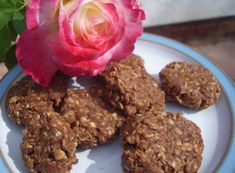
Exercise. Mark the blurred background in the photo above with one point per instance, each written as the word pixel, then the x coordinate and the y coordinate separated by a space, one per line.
pixel 208 26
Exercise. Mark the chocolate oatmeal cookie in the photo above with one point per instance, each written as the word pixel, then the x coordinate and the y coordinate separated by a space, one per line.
pixel 130 88
pixel 26 98
pixel 165 142
pixel 49 145
pixel 190 85
pixel 23 109
pixel 92 121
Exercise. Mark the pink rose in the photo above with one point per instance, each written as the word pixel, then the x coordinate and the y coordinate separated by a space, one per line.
pixel 77 37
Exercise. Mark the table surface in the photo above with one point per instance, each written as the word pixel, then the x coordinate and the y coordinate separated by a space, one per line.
pixel 221 53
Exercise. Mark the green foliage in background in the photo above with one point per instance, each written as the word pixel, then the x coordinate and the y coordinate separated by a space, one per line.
pixel 12 23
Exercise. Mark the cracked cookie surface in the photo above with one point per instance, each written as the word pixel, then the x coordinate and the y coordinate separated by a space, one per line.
pixel 26 98
pixel 130 88
pixel 190 85
pixel 92 121
pixel 49 145
pixel 161 142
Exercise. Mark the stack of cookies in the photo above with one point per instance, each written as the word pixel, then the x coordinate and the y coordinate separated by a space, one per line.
pixel 128 101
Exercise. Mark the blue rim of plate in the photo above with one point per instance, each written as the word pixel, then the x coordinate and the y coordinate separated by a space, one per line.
pixel 226 165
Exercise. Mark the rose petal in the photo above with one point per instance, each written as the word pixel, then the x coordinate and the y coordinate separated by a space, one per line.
pixel 135 7
pixel 74 68
pixel 115 31
pixel 126 46
pixel 39 11
pixel 68 40
pixel 133 18
pixel 34 55
pixel 89 47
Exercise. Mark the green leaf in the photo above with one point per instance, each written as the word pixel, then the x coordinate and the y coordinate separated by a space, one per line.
pixel 12 30
pixel 10 9
pixel 4 19
pixel 13 1
pixel 18 16
pixel 12 4
pixel 12 23
pixel 19 26
pixel 19 21
pixel 7 9
pixel 5 41
pixel 8 4
pixel 10 60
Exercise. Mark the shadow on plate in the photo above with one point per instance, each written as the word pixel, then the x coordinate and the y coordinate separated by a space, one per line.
pixel 175 107
pixel 86 82
pixel 156 76
pixel 13 141
pixel 107 158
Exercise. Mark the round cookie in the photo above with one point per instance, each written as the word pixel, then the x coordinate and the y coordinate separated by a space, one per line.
pixel 92 121
pixel 190 85
pixel 26 98
pixel 49 145
pixel 23 109
pixel 130 88
pixel 161 142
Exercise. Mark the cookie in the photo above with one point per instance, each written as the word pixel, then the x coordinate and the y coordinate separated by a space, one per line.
pixel 190 85
pixel 57 89
pixel 49 145
pixel 92 121
pixel 130 88
pixel 23 109
pixel 161 142
pixel 27 98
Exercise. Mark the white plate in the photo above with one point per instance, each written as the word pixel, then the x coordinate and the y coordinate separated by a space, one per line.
pixel 216 122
